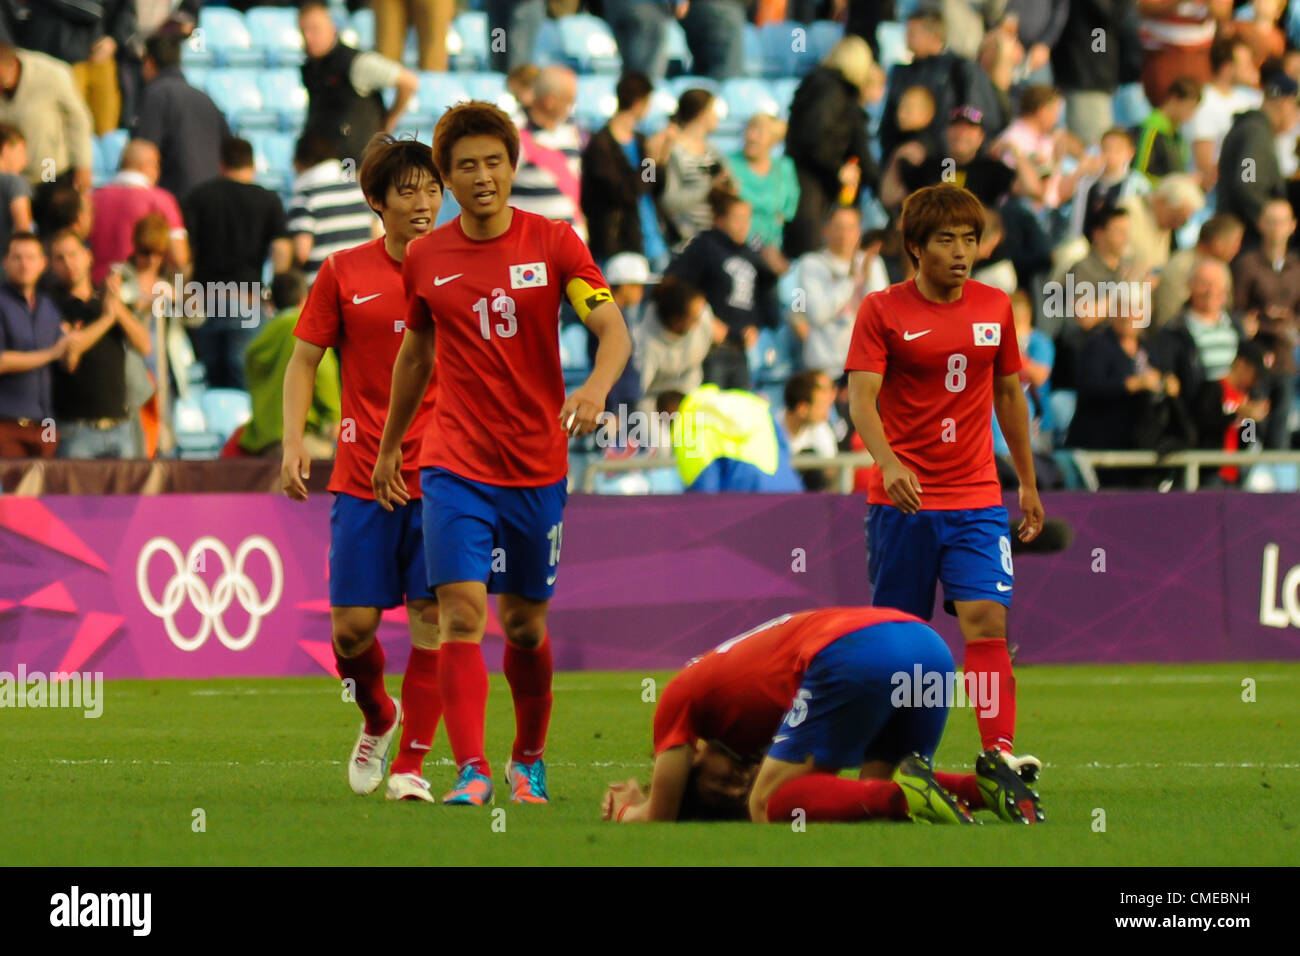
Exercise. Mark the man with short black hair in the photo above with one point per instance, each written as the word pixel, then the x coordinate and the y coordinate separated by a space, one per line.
pixel 180 120
pixel 1249 147
pixel 808 400
pixel 328 212
pixel 30 340
pixel 233 224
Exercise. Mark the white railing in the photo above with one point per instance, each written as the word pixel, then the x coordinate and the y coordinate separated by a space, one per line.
pixel 844 464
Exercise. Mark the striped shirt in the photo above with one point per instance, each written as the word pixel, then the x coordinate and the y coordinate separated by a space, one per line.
pixel 1216 343
pixel 537 189
pixel 329 206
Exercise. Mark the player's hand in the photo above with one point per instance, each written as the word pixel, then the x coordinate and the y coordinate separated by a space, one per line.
pixel 1032 509
pixel 386 481
pixel 581 411
pixel 619 796
pixel 902 486
pixel 295 469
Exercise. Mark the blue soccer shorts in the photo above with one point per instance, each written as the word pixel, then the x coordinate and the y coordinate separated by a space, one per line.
pixel 856 702
pixel 376 557
pixel 968 550
pixel 507 537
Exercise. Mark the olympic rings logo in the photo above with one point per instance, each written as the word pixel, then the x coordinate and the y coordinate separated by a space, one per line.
pixel 233 584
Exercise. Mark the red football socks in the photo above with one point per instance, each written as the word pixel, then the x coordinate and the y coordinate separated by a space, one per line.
pixel 366 671
pixel 463 681
pixel 421 709
pixel 828 798
pixel 990 665
pixel 963 786
pixel 528 671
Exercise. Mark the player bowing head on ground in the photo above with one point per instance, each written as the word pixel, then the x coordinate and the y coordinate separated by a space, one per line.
pixel 483 297
pixel 927 358
pixel 835 674
pixel 376 557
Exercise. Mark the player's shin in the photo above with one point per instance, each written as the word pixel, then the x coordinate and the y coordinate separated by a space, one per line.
pixel 828 798
pixel 422 703
pixel 463 682
pixel 365 671
pixel 528 670
pixel 991 689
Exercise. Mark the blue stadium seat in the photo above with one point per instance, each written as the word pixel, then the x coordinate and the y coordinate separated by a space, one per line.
pixel 225 410
pixel 744 97
pixel 273 157
pixel 1131 105
pixel 753 51
pixel 275 34
pixel 471 48
pixel 573 354
pixel 679 52
pixel 363 25
pixel 891 38
pixel 196 75
pixel 438 92
pixel 484 86
pixel 778 42
pixel 283 92
pixel 822 37
pixel 548 45
pixel 597 100
pixel 663 104
pixel 775 355
pixel 226 37
pixel 110 147
pixel 588 44
pixel 236 94
pixel 783 92
pixel 190 426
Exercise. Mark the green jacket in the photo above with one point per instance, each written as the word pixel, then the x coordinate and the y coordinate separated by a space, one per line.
pixel 264 365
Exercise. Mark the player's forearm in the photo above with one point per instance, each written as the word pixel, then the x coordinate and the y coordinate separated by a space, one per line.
pixel 866 419
pixel 299 387
pixel 12 362
pixel 1013 417
pixel 612 354
pixel 411 374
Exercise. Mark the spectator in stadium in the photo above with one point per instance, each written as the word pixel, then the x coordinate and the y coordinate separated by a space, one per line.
pixel 328 211
pixel 730 442
pixel 15 193
pixel 1036 149
pixel 1089 73
pixel 39 95
pixel 548 179
pixel 827 139
pixel 1220 238
pixel 769 184
pixel 91 394
pixel 180 120
pixel 344 85
pixel 234 225
pixel 1222 409
pixel 676 331
pixel 151 17
pixel 1115 181
pixel 1002 59
pixel 1233 88
pixel 519 84
pixel 430 18
pixel 1267 283
pixel 1038 27
pixel 627 273
pixel 831 284
pixel 715 31
pixel 520 20
pixel 953 79
pixel 1105 266
pixel 910 168
pixel 1199 343
pixel 738 282
pixel 617 195
pixel 1249 173
pixel 640 29
pixel 916 120
pixel 1037 357
pixel 31 340
pixel 1262 36
pixel 264 366
pixel 993 267
pixel 693 168
pixel 808 398
pixel 85 34
pixel 120 203
pixel 1155 217
pixel 1161 147
pixel 1176 37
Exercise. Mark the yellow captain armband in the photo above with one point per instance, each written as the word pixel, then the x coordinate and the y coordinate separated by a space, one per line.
pixel 584 298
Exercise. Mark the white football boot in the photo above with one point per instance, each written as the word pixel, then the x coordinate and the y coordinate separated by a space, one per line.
pixel 370 756
pixel 408 786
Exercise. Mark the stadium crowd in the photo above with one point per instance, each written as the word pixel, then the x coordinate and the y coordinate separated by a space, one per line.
pixel 1137 160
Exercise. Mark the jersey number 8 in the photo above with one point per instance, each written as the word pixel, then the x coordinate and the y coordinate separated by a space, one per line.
pixel 955 380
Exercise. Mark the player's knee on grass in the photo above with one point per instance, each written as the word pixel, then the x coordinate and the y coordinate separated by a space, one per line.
pixel 354 629
pixel 772 776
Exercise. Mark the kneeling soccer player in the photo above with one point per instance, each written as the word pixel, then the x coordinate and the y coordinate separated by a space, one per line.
pixel 833 673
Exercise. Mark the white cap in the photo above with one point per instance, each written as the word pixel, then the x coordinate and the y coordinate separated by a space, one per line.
pixel 627 268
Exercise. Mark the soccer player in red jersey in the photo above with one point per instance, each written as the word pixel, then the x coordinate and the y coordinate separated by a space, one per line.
pixel 376 557
pixel 488 287
pixel 928 357
pixel 808 695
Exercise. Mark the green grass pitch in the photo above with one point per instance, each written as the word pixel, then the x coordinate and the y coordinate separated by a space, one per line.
pixel 1185 771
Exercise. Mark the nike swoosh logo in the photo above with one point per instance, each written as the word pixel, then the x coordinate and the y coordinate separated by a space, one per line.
pixel 908 336
pixel 1003 587
pixel 780 737
pixel 443 280
pixel 550 579
pixel 357 300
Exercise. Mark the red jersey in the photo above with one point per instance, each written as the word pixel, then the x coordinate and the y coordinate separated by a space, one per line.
pixel 356 306
pixel 495 304
pixel 738 692
pixel 938 360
